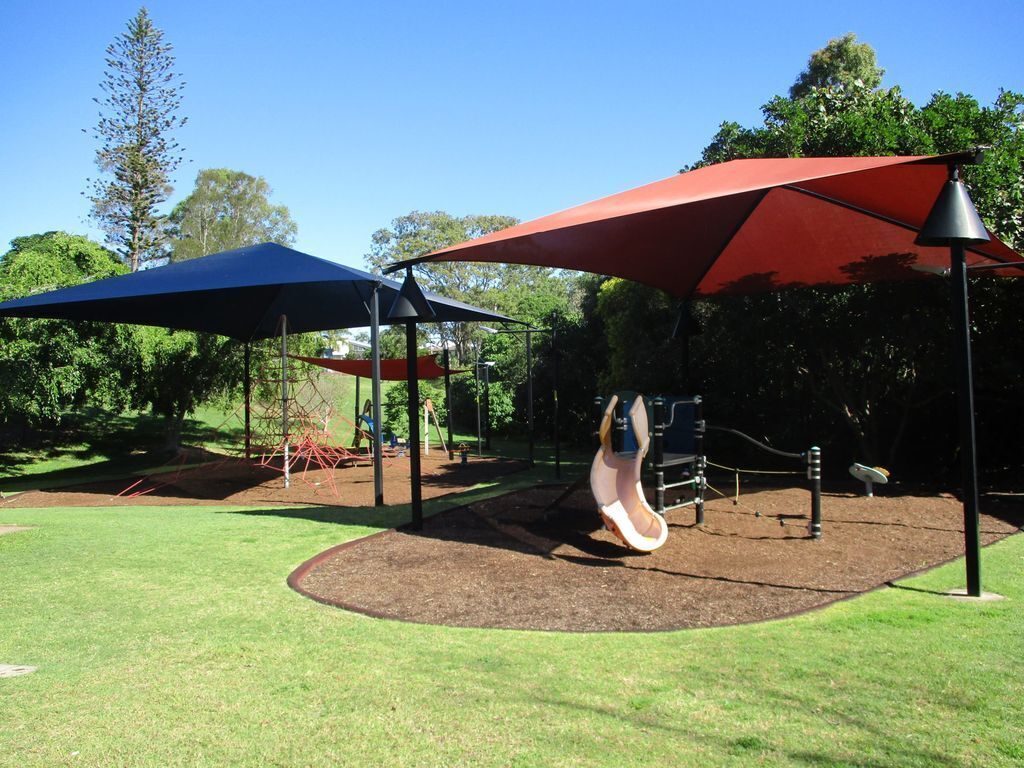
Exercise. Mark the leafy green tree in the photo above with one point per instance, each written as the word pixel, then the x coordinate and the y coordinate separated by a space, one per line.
pixel 181 370
pixel 137 153
pixel 50 366
pixel 638 322
pixel 396 407
pixel 228 209
pixel 417 234
pixel 956 122
pixel 525 293
pixel 843 62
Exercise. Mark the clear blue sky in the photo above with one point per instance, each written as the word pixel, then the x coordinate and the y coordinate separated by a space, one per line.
pixel 356 113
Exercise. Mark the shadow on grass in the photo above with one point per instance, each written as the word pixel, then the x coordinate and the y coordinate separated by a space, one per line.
pixel 398 515
pixel 644 712
pixel 637 713
pixel 368 517
pixel 894 585
pixel 101 444
pixel 113 477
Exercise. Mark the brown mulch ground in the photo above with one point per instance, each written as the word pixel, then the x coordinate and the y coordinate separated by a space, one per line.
pixel 499 563
pixel 239 482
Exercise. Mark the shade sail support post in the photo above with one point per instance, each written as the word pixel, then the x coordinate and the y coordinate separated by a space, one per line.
pixel 247 391
pixel 487 407
pixel 529 393
pixel 476 396
pixel 448 402
pixel 411 306
pixel 356 410
pixel 284 401
pixel 554 395
pixel 965 408
pixel 953 221
pixel 414 425
pixel 378 427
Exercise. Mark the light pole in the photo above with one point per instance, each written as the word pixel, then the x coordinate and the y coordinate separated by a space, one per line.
pixel 954 222
pixel 410 306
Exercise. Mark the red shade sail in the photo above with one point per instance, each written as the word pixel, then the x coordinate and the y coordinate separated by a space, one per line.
pixel 390 370
pixel 746 226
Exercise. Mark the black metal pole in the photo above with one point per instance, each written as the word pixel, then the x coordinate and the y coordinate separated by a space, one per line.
pixel 554 395
pixel 355 417
pixel 658 448
pixel 247 387
pixel 529 392
pixel 954 221
pixel 487 407
pixel 814 475
pixel 284 400
pixel 448 403
pixel 476 390
pixel 965 401
pixel 412 374
pixel 699 479
pixel 378 427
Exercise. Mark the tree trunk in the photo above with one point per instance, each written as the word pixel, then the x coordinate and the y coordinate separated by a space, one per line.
pixel 175 425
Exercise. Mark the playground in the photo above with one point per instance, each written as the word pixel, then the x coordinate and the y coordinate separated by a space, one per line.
pixel 190 627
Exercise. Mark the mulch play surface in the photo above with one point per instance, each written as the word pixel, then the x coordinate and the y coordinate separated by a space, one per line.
pixel 499 563
pixel 237 482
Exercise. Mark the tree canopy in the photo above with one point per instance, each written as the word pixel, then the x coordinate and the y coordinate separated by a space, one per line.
pixel 228 209
pixel 843 62
pixel 525 293
pixel 137 152
pixel 49 366
pixel 417 234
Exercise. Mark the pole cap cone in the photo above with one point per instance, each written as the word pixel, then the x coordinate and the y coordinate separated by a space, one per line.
pixel 410 303
pixel 953 218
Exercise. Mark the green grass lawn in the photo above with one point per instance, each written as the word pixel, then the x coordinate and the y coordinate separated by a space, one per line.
pixel 167 636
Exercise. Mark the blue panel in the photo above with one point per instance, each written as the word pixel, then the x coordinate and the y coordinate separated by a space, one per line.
pixel 240 293
pixel 679 435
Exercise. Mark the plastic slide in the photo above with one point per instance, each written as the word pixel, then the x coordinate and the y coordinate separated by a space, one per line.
pixel 615 483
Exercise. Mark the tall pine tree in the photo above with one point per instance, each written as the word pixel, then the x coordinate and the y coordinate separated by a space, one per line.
pixel 137 153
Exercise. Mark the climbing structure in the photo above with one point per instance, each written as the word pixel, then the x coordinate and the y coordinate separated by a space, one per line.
pixel 314 430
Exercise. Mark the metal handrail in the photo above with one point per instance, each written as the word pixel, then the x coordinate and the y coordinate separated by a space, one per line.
pixel 758 443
